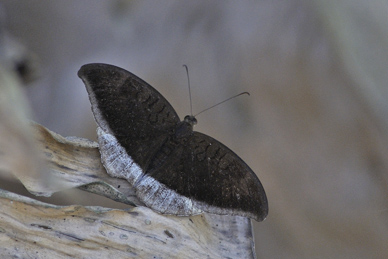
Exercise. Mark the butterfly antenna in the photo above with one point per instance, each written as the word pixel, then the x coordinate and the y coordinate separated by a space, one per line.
pixel 222 102
pixel 188 82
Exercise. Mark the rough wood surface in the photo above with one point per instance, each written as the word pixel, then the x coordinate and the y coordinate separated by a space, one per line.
pixel 32 229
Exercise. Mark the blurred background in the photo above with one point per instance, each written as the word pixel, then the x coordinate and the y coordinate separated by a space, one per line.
pixel 315 128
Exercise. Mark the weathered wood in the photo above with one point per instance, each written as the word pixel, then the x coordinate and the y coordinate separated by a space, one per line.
pixel 29 228
pixel 75 162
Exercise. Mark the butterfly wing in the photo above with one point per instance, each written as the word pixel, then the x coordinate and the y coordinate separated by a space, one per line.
pixel 129 109
pixel 207 172
pixel 234 187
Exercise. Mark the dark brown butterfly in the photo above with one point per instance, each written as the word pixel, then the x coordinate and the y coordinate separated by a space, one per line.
pixel 174 169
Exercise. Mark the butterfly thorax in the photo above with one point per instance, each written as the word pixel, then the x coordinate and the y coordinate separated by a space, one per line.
pixel 185 127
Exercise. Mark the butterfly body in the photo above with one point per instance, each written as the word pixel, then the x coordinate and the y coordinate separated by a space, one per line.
pixel 174 169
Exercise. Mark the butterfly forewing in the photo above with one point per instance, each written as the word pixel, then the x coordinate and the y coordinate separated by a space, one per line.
pixel 129 108
pixel 212 175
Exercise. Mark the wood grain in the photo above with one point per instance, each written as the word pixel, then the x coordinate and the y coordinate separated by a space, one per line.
pixel 29 228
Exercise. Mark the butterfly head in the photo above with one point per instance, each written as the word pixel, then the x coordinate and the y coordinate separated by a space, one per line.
pixel 190 119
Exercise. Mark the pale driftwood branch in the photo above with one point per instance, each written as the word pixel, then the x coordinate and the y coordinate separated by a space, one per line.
pixel 29 228
pixel 75 162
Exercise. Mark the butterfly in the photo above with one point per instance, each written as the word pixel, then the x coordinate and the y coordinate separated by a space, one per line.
pixel 173 169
